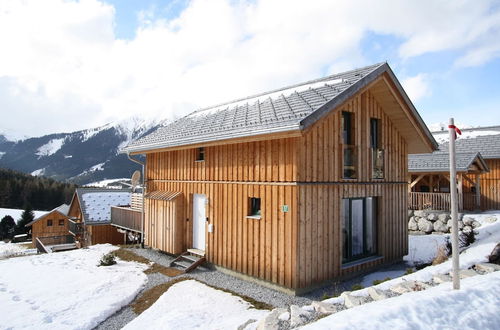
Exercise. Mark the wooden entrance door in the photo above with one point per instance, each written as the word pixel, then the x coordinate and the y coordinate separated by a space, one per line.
pixel 199 217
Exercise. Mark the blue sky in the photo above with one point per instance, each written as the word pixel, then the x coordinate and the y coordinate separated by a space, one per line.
pixel 90 62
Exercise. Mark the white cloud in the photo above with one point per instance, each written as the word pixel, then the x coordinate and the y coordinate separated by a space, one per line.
pixel 62 68
pixel 417 87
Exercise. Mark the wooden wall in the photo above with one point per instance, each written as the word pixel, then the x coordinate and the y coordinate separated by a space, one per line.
pixel 320 163
pixel 260 161
pixel 264 248
pixel 101 234
pixel 490 186
pixel 40 228
pixel 164 223
pixel 320 228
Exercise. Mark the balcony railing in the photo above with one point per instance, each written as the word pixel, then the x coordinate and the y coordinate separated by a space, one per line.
pixel 76 228
pixel 126 218
pixel 440 201
pixel 55 243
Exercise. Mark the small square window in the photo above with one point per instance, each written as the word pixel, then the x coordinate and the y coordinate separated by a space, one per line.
pixel 61 222
pixel 200 154
pixel 254 207
pixel 49 223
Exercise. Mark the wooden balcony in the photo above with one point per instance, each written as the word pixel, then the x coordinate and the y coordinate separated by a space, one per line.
pixel 126 218
pixel 440 201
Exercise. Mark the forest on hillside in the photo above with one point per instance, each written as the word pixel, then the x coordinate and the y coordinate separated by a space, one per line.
pixel 19 190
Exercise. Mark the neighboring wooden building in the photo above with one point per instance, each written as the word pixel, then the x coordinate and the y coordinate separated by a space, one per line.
pixel 295 187
pixel 486 141
pixel 90 214
pixel 52 223
pixel 429 180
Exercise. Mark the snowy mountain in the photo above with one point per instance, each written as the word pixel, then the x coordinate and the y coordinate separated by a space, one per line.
pixel 80 157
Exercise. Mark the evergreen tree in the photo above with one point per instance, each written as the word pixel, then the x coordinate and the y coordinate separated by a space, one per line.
pixel 7 227
pixel 26 217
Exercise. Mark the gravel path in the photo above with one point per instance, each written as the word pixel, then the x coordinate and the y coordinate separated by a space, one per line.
pixel 221 280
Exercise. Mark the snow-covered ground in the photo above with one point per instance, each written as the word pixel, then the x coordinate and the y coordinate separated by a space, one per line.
pixel 422 249
pixel 194 305
pixel 16 213
pixel 438 307
pixel 109 183
pixel 475 306
pixel 65 290
pixel 13 249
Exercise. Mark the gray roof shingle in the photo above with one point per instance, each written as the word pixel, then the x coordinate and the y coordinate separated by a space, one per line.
pixel 440 162
pixel 282 110
pixel 487 145
pixel 96 203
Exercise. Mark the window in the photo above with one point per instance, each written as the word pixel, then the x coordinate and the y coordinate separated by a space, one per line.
pixel 61 222
pixel 349 145
pixel 377 151
pixel 254 207
pixel 200 154
pixel 49 223
pixel 359 228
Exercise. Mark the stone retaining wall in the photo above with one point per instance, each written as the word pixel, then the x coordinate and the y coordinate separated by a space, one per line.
pixel 422 222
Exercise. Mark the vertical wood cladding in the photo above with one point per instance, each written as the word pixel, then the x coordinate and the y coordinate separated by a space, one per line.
pixel 490 186
pixel 101 234
pixel 41 228
pixel 302 246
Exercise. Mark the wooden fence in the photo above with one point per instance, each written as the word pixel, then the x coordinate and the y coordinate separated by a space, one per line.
pixel 126 218
pixel 440 201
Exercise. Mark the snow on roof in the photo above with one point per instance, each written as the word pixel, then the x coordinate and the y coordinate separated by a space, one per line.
pixel 96 203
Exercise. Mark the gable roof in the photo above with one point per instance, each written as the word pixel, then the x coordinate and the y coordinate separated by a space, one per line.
pixel 95 204
pixel 288 109
pixel 487 145
pixel 440 162
pixel 61 209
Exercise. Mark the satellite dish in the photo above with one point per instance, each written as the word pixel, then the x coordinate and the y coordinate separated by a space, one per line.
pixel 136 177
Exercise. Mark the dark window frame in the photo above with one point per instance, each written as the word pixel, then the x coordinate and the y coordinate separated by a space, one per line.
pixel 200 154
pixel 61 222
pixel 254 207
pixel 347 238
pixel 49 223
pixel 377 152
pixel 349 152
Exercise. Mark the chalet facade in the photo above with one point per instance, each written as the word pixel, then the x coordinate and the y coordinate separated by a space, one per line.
pixel 478 169
pixel 90 215
pixel 50 232
pixel 294 187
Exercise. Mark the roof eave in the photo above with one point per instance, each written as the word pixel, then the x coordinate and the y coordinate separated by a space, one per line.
pixel 210 140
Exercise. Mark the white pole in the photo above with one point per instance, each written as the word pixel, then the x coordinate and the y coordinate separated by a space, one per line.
pixel 454 207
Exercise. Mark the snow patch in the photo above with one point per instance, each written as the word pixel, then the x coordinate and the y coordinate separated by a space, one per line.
pixel 262 98
pixel 50 147
pixel 1 154
pixel 16 213
pixel 438 307
pixel 68 156
pixel 422 249
pixel 109 183
pixel 40 171
pixel 69 290
pixel 193 305
pixel 98 167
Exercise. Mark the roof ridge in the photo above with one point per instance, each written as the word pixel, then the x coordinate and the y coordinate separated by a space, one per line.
pixel 329 77
pixel 470 129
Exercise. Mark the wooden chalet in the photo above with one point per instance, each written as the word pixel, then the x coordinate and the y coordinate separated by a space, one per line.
pixel 90 215
pixel 478 167
pixel 295 187
pixel 430 180
pixel 50 232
